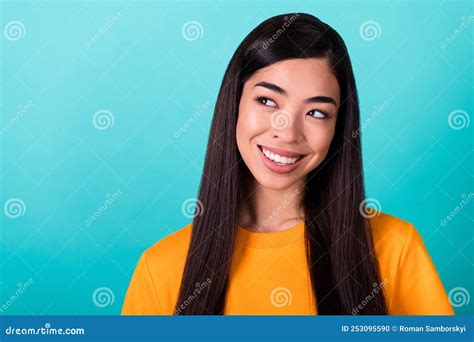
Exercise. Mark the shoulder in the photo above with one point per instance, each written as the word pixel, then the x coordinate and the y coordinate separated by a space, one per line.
pixel 171 249
pixel 156 281
pixel 411 281
pixel 392 234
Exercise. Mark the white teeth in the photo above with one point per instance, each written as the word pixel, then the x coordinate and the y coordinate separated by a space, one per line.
pixel 279 159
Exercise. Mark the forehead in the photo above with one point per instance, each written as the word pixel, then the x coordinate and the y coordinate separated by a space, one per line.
pixel 301 78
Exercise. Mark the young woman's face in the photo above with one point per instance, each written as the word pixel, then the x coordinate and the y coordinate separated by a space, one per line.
pixel 286 121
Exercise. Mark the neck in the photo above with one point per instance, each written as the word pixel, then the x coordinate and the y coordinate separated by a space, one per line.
pixel 267 210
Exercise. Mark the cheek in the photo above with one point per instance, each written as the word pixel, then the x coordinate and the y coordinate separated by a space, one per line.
pixel 319 142
pixel 250 123
pixel 250 119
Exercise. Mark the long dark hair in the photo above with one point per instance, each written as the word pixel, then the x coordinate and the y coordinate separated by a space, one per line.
pixel 340 253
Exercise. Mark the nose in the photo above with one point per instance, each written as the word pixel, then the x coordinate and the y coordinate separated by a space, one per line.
pixel 285 127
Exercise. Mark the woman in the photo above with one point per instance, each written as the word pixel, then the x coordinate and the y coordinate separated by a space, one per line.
pixel 284 228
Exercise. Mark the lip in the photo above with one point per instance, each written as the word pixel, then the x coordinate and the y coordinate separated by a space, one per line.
pixel 280 169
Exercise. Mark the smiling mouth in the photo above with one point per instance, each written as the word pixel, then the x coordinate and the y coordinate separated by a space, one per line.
pixel 280 159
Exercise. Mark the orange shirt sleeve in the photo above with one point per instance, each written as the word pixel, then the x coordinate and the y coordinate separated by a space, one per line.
pixel 419 290
pixel 141 297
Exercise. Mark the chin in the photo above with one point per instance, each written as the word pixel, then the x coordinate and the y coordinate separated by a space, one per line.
pixel 275 183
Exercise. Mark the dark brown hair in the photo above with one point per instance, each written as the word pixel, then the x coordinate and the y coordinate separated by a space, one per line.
pixel 339 245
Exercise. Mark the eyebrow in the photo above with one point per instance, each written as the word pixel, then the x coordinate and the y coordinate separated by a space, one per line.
pixel 281 91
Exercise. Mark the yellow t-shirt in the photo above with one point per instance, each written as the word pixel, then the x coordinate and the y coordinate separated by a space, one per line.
pixel 269 273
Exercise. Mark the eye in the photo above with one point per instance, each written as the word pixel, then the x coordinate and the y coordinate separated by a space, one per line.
pixel 317 114
pixel 265 101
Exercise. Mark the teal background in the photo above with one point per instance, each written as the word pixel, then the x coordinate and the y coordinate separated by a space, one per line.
pixel 153 81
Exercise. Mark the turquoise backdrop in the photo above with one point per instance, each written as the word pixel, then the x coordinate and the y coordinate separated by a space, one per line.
pixel 105 113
